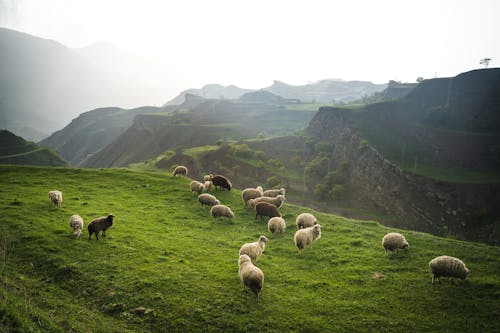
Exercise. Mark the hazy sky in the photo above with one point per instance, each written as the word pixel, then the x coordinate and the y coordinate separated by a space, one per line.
pixel 251 43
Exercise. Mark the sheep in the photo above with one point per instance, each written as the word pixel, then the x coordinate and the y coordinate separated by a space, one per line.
pixel 55 197
pixel 277 201
pixel 208 199
pixel 207 177
pixel 76 222
pixel 222 182
pixel 448 267
pixel 274 193
pixel 305 220
pixel 276 225
pixel 250 275
pixel 250 193
pixel 221 211
pixel 208 185
pixel 196 186
pixel 394 241
pixel 266 209
pixel 180 170
pixel 100 224
pixel 255 249
pixel 305 237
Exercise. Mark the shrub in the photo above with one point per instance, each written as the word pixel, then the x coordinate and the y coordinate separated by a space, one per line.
pixel 273 181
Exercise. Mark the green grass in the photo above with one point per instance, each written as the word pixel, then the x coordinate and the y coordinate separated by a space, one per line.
pixel 164 253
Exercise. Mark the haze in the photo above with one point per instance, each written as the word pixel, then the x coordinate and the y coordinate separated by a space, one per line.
pixel 252 43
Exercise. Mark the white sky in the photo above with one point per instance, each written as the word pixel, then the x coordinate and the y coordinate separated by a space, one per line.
pixel 251 43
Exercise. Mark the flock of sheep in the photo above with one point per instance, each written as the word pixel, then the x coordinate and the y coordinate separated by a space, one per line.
pixel 266 204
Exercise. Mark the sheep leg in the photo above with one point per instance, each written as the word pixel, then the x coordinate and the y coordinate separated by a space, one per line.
pixel 103 233
pixel 96 235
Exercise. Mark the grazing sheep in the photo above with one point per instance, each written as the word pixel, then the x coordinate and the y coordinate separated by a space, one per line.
pixel 221 211
pixel 255 249
pixel 448 267
pixel 250 193
pixel 305 237
pixel 277 201
pixel 76 222
pixel 207 177
pixel 251 275
pixel 276 225
pixel 100 224
pixel 208 185
pixel 266 209
pixel 196 186
pixel 56 198
pixel 222 182
pixel 208 199
pixel 305 220
pixel 180 170
pixel 274 193
pixel 394 241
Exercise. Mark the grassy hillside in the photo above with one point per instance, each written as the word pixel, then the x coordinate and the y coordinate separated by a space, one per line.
pixel 164 254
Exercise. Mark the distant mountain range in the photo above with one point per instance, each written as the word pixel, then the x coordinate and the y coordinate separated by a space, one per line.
pixel 16 150
pixel 43 84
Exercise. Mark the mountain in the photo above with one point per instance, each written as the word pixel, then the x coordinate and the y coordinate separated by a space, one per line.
pixel 210 91
pixel 164 266
pixel 326 91
pixel 196 122
pixel 44 84
pixel 16 150
pixel 93 130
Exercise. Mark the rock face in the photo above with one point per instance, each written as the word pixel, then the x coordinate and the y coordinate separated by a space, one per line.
pixel 417 202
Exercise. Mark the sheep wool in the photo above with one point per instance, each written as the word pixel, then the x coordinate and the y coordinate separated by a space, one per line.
pixel 305 237
pixel 278 201
pixel 255 249
pixel 266 209
pixel 76 222
pixel 394 241
pixel 222 182
pixel 207 199
pixel 250 193
pixel 180 170
pixel 446 266
pixel 305 220
pixel 250 275
pixel 196 186
pixel 221 211
pixel 274 193
pixel 55 197
pixel 276 225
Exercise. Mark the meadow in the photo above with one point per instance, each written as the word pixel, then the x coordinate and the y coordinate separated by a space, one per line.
pixel 166 267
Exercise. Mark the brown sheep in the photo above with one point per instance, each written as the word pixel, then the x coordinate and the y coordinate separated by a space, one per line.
pixel 222 182
pixel 100 224
pixel 266 209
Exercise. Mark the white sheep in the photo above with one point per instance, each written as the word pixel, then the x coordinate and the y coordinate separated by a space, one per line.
pixel 250 275
pixel 55 197
pixel 76 222
pixel 276 225
pixel 207 199
pixel 250 193
pixel 207 177
pixel 305 237
pixel 278 201
pixel 255 249
pixel 180 170
pixel 448 267
pixel 274 193
pixel 394 241
pixel 208 185
pixel 305 220
pixel 196 186
pixel 221 211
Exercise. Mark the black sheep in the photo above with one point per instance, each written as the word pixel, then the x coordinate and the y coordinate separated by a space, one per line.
pixel 100 224
pixel 222 182
pixel 266 209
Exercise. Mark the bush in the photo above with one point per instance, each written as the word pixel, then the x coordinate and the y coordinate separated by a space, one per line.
pixel 317 168
pixel 241 150
pixel 273 181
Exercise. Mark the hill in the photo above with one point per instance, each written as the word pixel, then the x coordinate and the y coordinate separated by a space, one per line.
pixel 210 91
pixel 165 255
pixel 93 130
pixel 200 121
pixel 16 150
pixel 44 84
